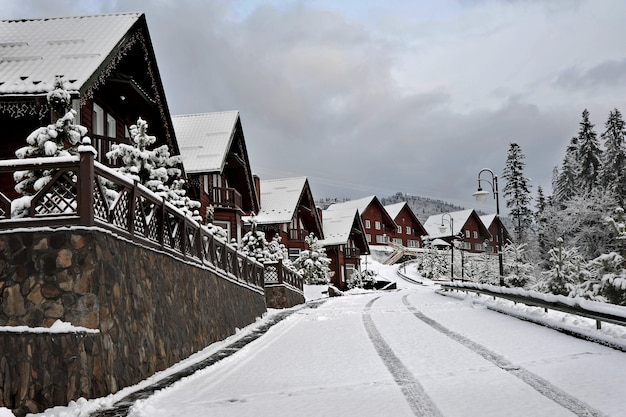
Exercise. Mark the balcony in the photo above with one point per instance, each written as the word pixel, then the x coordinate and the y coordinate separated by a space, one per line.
pixel 225 198
pixel 351 253
pixel 297 235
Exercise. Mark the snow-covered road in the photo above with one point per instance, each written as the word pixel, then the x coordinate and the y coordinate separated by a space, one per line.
pixel 403 353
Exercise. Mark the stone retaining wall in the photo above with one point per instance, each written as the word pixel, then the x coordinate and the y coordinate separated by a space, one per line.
pixel 282 296
pixel 151 310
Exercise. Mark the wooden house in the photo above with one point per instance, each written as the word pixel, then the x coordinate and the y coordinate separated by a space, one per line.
pixel 106 63
pixel 288 210
pixel 490 222
pixel 409 230
pixel 344 240
pixel 464 227
pixel 213 149
pixel 378 224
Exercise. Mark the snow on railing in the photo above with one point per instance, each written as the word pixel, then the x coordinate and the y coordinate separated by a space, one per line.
pixel 75 196
pixel 598 311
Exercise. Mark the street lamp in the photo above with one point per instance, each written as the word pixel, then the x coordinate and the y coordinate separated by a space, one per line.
pixel 481 195
pixel 442 229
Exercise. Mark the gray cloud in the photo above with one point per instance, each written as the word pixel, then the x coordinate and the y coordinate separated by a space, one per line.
pixel 368 100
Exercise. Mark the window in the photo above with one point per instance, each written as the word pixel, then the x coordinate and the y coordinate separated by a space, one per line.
pixel 224 225
pixel 397 241
pixel 399 229
pixel 368 237
pixel 377 225
pixel 467 234
pixel 294 253
pixel 489 249
pixel 475 234
pixel 408 230
pixel 466 245
pixel 367 224
pixel 413 243
pixel 478 246
pixel 382 239
pixel 111 132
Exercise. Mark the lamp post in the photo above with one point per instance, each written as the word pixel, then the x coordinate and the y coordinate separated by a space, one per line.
pixel 442 229
pixel 481 195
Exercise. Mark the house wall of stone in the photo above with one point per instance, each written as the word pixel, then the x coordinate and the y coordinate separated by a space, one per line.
pixel 151 309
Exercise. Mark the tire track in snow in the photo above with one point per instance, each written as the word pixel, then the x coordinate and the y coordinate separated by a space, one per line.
pixel 418 400
pixel 539 384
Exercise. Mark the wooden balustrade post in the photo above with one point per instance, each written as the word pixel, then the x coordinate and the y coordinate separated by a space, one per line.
pixel 280 271
pixel 86 178
pixel 132 205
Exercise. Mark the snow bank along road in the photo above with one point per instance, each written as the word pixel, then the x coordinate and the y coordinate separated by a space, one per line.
pixel 404 353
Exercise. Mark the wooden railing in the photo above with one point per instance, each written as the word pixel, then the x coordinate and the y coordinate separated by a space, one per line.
pixel 297 235
pixel 600 312
pixel 351 252
pixel 278 273
pixel 226 198
pixel 75 196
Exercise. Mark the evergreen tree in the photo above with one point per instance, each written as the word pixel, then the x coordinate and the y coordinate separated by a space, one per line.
pixel 253 243
pixel 612 174
pixel 313 262
pixel 59 139
pixel 155 168
pixel 518 272
pixel 566 270
pixel 517 191
pixel 589 155
pixel 565 186
pixel 541 220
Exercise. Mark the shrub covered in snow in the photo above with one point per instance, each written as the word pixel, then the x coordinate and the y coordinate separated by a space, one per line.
pixel 154 168
pixel 313 263
pixel 61 138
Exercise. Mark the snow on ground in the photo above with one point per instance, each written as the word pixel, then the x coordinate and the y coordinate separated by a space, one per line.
pixel 406 352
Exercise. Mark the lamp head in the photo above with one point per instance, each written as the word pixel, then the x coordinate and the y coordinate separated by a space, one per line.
pixel 481 195
pixel 443 228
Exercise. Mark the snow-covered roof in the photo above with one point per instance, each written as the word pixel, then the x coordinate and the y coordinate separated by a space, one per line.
pixel 279 199
pixel 433 223
pixel 338 225
pixel 204 139
pixel 394 209
pixel 487 219
pixel 360 204
pixel 33 52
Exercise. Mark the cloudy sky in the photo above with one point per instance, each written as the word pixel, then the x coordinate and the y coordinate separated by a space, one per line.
pixel 375 96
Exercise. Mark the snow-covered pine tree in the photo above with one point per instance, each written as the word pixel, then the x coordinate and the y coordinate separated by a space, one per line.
pixel 155 168
pixel 566 271
pixel 313 263
pixel 518 272
pixel 565 185
pixel 606 281
pixel 612 172
pixel 517 191
pixel 61 138
pixel 589 155
pixel 275 250
pixel 253 243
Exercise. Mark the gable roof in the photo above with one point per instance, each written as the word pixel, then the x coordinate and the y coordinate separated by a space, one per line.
pixel 338 225
pixel 395 209
pixel 362 204
pixel 459 218
pixel 279 199
pixel 33 52
pixel 487 219
pixel 204 139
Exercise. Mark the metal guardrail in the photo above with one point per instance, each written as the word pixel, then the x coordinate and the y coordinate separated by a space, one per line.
pixel 598 311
